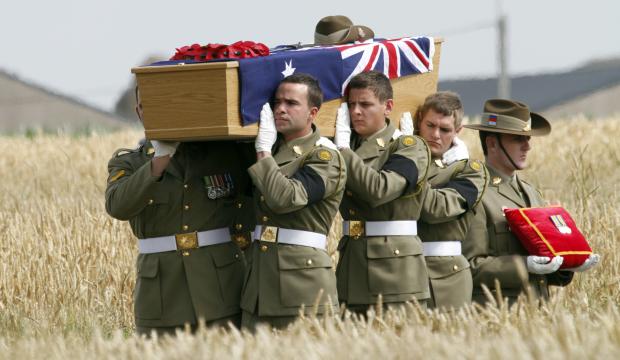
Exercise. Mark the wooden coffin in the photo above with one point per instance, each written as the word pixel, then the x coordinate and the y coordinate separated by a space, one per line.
pixel 201 101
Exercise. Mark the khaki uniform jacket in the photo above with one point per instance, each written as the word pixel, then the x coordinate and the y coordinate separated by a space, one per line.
pixel 298 188
pixel 494 252
pixel 386 182
pixel 450 277
pixel 172 289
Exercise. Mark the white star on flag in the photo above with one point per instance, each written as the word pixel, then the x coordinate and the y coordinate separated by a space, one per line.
pixel 289 69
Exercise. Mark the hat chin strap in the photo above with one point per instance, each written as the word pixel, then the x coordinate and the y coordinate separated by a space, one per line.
pixel 499 140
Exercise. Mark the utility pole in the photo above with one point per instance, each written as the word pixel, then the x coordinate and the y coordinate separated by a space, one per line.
pixel 503 79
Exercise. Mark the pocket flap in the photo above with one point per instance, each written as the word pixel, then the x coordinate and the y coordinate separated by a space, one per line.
pixel 148 266
pixel 444 266
pixel 159 197
pixel 225 254
pixel 302 257
pixel 393 246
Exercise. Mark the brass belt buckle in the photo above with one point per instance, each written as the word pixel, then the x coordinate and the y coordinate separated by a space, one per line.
pixel 269 234
pixel 356 228
pixel 186 242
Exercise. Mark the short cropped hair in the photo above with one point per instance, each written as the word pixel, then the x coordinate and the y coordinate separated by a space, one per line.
pixel 447 103
pixel 376 82
pixel 315 95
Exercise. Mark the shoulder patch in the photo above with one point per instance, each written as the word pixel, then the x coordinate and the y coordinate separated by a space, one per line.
pixel 117 176
pixel 475 165
pixel 408 140
pixel 325 155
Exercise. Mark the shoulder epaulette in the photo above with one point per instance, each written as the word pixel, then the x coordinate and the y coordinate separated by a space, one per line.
pixel 125 151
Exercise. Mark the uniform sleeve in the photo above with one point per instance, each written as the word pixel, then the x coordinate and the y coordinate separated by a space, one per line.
pixel 323 173
pixel 128 189
pixel 508 269
pixel 452 199
pixel 403 170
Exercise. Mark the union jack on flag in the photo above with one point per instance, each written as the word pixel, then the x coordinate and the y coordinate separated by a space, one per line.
pixel 394 58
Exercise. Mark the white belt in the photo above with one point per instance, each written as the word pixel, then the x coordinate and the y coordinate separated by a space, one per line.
pixel 380 228
pixel 185 241
pixel 442 248
pixel 290 236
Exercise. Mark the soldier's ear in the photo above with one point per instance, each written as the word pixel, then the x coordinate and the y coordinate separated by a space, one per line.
pixel 389 104
pixel 313 111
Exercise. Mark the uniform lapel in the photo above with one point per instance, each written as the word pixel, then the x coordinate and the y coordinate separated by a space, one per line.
pixel 504 188
pixel 528 193
pixel 375 144
pixel 294 149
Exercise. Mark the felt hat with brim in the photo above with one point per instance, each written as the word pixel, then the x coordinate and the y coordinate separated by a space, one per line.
pixel 511 117
pixel 339 29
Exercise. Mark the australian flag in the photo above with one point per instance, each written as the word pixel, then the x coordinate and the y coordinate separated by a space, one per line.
pixel 333 66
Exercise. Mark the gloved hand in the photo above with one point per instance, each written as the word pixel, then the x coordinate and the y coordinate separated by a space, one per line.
pixel 343 127
pixel 541 265
pixel 406 123
pixel 163 148
pixel 591 262
pixel 458 151
pixel 267 133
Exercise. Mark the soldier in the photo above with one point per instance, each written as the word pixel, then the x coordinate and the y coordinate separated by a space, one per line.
pixel 380 252
pixel 185 203
pixel 297 193
pixel 438 121
pixel 493 251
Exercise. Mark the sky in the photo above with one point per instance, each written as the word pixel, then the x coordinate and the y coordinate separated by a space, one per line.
pixel 86 48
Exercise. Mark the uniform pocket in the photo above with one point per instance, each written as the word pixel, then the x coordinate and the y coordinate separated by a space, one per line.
pixel 499 238
pixel 230 269
pixel 147 298
pixel 396 265
pixel 304 271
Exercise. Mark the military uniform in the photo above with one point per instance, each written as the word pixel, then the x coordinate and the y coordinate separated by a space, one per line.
pixel 198 206
pixel 380 252
pixel 296 199
pixel 494 252
pixel 448 270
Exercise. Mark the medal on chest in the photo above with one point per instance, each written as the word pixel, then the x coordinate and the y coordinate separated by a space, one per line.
pixel 219 185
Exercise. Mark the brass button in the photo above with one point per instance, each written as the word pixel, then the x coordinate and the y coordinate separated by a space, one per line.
pixel 150 201
pixel 236 256
pixel 263 248
pixel 309 262
pixel 239 226
pixel 185 186
pixel 185 253
pixel 351 212
pixel 262 198
pixel 239 205
pixel 396 252
pixel 186 207
pixel 185 227
pixel 455 267
pixel 541 282
pixel 265 218
pixel 349 193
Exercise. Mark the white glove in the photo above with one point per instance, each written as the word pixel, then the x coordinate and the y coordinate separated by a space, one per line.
pixel 163 148
pixel 406 123
pixel 267 133
pixel 592 260
pixel 323 141
pixel 458 151
pixel 343 127
pixel 541 265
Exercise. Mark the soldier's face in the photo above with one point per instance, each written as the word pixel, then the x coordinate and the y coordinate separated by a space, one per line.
pixel 367 112
pixel 438 130
pixel 517 147
pixel 293 116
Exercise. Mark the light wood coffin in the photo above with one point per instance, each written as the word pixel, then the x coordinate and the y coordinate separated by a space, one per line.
pixel 201 101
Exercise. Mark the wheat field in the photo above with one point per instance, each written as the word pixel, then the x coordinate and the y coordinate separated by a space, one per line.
pixel 67 269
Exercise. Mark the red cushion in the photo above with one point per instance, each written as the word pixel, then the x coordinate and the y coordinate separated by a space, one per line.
pixel 549 231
